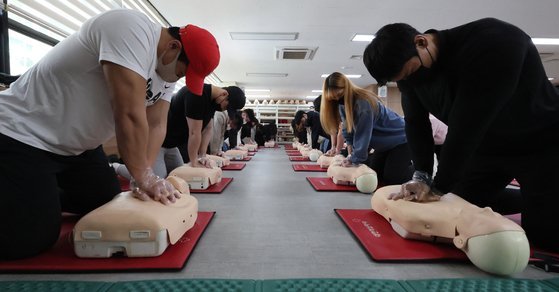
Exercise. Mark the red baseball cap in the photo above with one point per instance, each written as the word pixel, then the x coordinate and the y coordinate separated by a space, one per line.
pixel 202 51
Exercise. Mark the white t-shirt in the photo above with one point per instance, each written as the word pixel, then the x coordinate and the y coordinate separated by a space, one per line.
pixel 62 104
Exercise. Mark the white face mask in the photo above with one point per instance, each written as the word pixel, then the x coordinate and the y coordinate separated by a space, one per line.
pixel 167 72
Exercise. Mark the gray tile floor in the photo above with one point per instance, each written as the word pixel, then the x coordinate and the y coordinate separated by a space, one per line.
pixel 271 224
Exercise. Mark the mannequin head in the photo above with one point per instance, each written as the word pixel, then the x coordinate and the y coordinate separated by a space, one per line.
pixel 492 242
pixel 314 154
pixel 366 183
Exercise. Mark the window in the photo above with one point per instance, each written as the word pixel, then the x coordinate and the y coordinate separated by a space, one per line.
pixel 24 52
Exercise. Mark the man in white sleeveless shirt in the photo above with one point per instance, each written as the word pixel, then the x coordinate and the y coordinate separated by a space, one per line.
pixel 114 76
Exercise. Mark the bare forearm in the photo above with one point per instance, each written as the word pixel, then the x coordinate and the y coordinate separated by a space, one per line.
pixel 194 141
pixel 131 134
pixel 206 137
pixel 156 137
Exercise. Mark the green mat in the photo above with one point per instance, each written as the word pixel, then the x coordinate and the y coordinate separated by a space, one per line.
pixel 40 286
pixel 334 285
pixel 305 285
pixel 478 285
pixel 187 285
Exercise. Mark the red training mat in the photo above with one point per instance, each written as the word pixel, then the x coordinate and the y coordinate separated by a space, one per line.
pixel 251 153
pixel 289 147
pixel 326 184
pixel 234 166
pixel 308 167
pixel 61 257
pixel 124 183
pixel 293 153
pixel 298 158
pixel 382 243
pixel 215 188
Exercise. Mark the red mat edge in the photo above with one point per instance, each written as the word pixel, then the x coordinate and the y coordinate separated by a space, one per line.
pixel 310 182
pixel 306 170
pixel 235 169
pixel 19 270
pixel 210 190
pixel 465 260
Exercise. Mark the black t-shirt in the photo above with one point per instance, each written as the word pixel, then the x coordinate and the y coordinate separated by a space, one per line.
pixel 186 104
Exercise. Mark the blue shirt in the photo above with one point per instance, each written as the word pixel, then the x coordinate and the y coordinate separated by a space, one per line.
pixel 382 131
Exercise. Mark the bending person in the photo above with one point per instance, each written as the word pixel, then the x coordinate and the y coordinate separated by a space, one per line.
pixel 367 124
pixel 111 77
pixel 439 72
pixel 492 242
pixel 251 130
pixel 189 127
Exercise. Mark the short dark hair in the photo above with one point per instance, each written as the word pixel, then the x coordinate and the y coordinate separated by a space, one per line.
pixel 316 103
pixel 391 48
pixel 174 32
pixel 236 119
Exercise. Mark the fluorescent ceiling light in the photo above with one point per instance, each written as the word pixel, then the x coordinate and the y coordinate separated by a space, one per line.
pixel 362 38
pixel 264 36
pixel 550 78
pixel 545 41
pixel 266 74
pixel 312 96
pixel 257 90
pixel 257 95
pixel 317 91
pixel 346 75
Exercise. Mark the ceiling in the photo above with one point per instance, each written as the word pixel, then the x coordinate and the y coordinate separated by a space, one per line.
pixel 330 26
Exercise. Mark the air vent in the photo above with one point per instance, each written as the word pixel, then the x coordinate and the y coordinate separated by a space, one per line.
pixel 295 53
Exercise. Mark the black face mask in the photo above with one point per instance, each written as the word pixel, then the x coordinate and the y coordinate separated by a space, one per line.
pixel 216 106
pixel 423 74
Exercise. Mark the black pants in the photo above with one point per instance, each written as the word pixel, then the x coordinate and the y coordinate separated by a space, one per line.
pixel 484 184
pixel 392 166
pixel 36 186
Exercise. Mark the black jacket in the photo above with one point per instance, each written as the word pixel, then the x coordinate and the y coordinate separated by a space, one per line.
pixel 489 86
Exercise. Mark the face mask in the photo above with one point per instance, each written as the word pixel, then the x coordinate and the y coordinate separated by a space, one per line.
pixel 167 72
pixel 216 106
pixel 423 74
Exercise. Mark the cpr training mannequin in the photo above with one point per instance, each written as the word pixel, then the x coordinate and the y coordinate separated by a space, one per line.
pixel 324 160
pixel 219 161
pixel 362 176
pixel 198 178
pixel 313 154
pixel 248 147
pixel 135 228
pixel 492 242
pixel 235 154
pixel 270 144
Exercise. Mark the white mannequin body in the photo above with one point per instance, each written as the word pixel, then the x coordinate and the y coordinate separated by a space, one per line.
pixel 198 178
pixel 362 176
pixel 492 242
pixel 134 227
pixel 219 161
pixel 235 154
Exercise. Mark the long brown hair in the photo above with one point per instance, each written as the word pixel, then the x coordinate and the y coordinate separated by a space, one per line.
pixel 329 113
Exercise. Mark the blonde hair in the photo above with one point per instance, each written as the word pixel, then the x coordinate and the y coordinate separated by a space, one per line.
pixel 329 113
